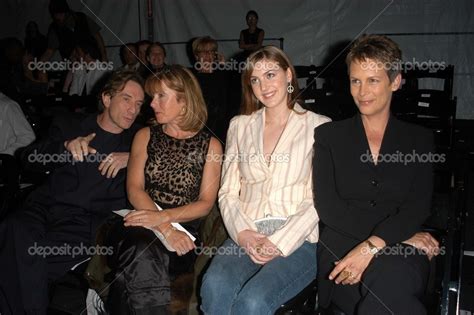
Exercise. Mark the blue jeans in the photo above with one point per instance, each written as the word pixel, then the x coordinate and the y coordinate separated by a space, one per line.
pixel 234 284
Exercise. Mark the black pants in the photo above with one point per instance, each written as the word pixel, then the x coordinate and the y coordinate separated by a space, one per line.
pixel 10 171
pixel 9 177
pixel 36 248
pixel 393 283
pixel 143 272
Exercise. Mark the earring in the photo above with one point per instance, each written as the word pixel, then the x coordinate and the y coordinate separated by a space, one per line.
pixel 183 110
pixel 290 89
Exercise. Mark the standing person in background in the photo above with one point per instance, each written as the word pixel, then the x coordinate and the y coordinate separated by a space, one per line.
pixel 266 174
pixel 251 38
pixel 68 28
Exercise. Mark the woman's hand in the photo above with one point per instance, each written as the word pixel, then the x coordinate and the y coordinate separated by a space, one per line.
pixel 146 218
pixel 425 242
pixel 257 246
pixel 349 270
pixel 264 252
pixel 180 241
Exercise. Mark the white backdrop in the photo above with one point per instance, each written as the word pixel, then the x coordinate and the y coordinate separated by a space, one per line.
pixel 309 27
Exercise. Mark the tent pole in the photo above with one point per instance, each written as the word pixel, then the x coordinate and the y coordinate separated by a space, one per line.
pixel 150 20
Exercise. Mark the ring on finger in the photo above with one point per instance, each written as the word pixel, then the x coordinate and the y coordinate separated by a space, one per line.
pixel 346 274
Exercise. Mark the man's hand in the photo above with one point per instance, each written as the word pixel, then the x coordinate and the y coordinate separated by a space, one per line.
pixel 114 162
pixel 79 147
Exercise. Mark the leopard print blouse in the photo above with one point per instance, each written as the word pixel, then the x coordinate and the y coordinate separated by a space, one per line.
pixel 174 168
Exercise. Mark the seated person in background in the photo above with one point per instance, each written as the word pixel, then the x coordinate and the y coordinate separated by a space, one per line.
pixel 266 173
pixel 142 46
pixel 175 164
pixel 371 206
pixel 15 133
pixel 87 71
pixel 129 57
pixel 57 226
pixel 220 88
pixel 69 28
pixel 35 42
pixel 251 38
pixel 155 57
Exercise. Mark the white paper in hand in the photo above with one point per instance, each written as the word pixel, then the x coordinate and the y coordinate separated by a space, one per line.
pixel 161 237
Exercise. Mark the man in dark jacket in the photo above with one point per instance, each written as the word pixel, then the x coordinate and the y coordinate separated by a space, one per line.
pixel 56 228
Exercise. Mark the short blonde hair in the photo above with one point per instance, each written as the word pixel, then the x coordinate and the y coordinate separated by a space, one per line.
pixel 183 82
pixel 201 42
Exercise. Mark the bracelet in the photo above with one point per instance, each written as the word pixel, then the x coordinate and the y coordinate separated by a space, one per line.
pixel 372 248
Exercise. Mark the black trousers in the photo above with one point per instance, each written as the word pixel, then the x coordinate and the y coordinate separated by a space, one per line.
pixel 36 248
pixel 10 172
pixel 393 283
pixel 144 272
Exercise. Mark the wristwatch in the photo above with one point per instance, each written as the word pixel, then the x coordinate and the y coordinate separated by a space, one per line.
pixel 372 248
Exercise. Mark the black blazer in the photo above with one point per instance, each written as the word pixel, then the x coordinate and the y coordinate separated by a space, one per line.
pixel 356 198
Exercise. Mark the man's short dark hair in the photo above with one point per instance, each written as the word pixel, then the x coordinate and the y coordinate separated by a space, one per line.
pixel 380 49
pixel 116 83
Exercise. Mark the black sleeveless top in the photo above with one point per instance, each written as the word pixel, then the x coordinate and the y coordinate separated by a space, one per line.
pixel 174 168
pixel 251 38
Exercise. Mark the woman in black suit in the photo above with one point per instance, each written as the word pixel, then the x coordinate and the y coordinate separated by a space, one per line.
pixel 373 183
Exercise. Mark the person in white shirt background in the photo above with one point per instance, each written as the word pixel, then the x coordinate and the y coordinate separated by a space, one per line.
pixel 15 133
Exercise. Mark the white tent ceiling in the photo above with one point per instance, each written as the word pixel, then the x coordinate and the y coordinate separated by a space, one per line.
pixel 309 27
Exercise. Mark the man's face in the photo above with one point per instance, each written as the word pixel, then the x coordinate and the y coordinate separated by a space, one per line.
pixel 156 56
pixel 122 108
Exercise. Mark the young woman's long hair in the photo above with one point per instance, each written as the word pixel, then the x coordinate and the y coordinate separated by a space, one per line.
pixel 271 53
